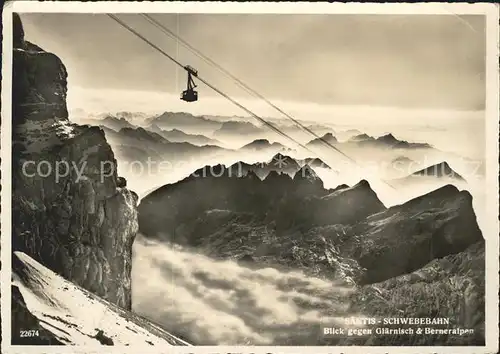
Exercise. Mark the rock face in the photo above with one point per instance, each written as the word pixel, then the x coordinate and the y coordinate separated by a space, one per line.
pixel 404 238
pixel 70 210
pixel 63 313
pixel 451 287
pixel 39 81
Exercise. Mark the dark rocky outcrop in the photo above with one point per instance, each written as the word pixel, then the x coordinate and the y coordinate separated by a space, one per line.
pixel 349 205
pixel 38 83
pixel 451 287
pixel 71 212
pixel 404 238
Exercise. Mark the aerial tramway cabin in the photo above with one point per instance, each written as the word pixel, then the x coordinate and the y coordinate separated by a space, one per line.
pixel 190 94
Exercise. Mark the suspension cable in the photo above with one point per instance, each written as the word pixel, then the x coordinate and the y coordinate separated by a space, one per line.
pixel 239 82
pixel 243 85
pixel 277 130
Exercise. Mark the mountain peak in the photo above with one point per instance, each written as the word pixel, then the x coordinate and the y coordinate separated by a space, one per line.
pixel 307 173
pixel 328 138
pixel 362 184
pixel 218 170
pixel 388 138
pixel 440 170
pixel 258 142
pixel 281 159
pixel 316 162
pixel 402 159
pixel 362 187
pixel 446 192
pixel 154 127
pixel 261 144
pixel 275 175
pixel 279 155
pixel 361 137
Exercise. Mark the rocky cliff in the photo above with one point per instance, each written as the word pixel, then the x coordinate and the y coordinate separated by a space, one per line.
pixel 70 210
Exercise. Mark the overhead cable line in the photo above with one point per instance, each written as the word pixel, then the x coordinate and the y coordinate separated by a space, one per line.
pixel 277 130
pixel 238 81
pixel 247 88
pixel 244 86
pixel 241 83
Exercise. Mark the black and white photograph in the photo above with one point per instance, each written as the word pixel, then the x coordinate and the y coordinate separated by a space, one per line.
pixel 250 176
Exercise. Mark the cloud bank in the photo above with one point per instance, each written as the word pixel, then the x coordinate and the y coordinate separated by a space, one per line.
pixel 223 303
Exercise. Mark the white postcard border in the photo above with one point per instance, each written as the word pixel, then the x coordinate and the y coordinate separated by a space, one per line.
pixel 492 171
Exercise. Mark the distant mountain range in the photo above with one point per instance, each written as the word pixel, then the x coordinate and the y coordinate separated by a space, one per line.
pixel 388 140
pixel 186 122
pixel 178 136
pixel 109 122
pixel 139 144
pixel 238 128
pixel 198 130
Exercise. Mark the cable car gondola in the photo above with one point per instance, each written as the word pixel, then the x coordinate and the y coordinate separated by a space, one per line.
pixel 190 94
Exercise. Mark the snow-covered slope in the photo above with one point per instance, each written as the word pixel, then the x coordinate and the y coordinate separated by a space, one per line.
pixel 64 313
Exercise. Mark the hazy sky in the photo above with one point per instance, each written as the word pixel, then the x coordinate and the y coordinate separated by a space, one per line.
pixel 408 61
